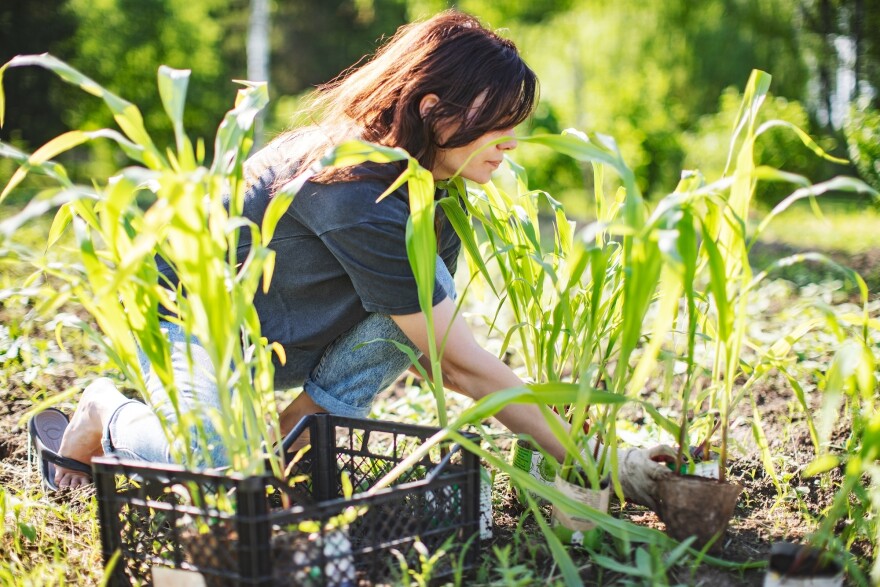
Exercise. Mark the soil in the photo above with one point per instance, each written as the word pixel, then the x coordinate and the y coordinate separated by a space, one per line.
pixel 760 517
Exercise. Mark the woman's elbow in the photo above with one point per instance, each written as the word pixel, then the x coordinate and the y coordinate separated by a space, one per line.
pixel 461 369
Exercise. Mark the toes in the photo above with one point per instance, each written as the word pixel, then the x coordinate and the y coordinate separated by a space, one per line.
pixel 68 480
pixel 62 480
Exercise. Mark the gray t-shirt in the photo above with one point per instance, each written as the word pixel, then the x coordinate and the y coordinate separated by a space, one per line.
pixel 339 256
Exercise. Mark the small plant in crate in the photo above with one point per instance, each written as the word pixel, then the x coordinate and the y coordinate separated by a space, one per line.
pixel 190 228
pixel 193 224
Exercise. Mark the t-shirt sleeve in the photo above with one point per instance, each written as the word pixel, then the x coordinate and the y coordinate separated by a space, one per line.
pixel 373 254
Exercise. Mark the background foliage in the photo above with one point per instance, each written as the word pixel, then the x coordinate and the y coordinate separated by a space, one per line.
pixel 647 74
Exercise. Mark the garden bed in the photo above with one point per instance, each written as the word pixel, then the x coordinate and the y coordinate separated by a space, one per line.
pixel 35 368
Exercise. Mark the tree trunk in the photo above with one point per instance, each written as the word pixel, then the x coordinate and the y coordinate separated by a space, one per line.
pixel 258 54
pixel 858 16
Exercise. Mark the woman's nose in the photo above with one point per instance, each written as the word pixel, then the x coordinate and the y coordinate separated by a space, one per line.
pixel 509 142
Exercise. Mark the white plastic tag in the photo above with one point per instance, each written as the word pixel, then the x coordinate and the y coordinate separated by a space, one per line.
pixel 168 577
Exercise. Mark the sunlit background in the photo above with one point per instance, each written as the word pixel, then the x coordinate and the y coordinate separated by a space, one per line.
pixel 663 78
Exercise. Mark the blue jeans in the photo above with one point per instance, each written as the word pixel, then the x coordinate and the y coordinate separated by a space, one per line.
pixel 343 379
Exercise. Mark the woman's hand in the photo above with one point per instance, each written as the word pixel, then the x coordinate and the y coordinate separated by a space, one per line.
pixel 639 470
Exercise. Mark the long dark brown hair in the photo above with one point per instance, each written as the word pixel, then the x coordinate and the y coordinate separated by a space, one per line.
pixel 450 55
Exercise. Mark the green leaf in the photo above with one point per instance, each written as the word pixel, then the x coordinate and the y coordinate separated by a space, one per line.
pixel 459 221
pixel 753 96
pixel 40 206
pixel 804 137
pixel 127 116
pixel 836 184
pixel 718 285
pixel 229 145
pixel 274 211
pixel 575 145
pixel 665 423
pixel 609 563
pixel 555 393
pixel 356 152
pixel 764 447
pixel 28 531
pixel 673 556
pixel 560 554
pixel 822 464
pixel 173 85
pixel 55 146
pixel 643 562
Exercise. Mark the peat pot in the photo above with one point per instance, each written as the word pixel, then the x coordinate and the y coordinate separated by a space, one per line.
pixel 799 565
pixel 697 506
pixel 573 529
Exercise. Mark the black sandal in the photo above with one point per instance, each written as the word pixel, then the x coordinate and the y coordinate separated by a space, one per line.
pixel 46 429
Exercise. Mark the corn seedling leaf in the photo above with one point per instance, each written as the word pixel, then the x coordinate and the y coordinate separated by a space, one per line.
pixel 804 137
pixel 460 223
pixel 173 85
pixel 836 184
pixel 764 446
pixel 356 152
pixel 560 554
pixel 718 285
pixel 37 207
pixel 233 134
pixel 127 116
pixel 821 464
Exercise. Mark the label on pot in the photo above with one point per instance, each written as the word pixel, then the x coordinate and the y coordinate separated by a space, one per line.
pixel 486 520
pixel 800 565
pixel 597 500
pixel 774 579
pixel 529 459
pixel 708 469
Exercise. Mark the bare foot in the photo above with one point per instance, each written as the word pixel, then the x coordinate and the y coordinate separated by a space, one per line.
pixel 82 438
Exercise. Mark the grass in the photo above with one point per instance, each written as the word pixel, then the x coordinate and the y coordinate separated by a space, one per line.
pixel 57 542
pixel 846 227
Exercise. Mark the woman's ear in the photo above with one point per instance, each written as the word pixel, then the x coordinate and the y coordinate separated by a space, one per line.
pixel 427 103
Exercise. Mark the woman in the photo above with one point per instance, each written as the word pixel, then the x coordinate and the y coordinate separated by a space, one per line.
pixel 450 93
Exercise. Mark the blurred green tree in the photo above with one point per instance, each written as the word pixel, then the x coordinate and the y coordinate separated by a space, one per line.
pixel 122 43
pixel 492 13
pixel 646 72
pixel 35 102
pixel 707 143
pixel 315 41
pixel 862 132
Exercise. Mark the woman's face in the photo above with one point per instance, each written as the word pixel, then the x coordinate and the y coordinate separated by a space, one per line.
pixel 475 161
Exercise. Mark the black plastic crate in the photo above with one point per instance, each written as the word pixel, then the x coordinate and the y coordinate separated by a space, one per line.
pixel 167 521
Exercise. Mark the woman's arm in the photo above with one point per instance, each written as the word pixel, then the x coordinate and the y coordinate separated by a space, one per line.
pixel 475 372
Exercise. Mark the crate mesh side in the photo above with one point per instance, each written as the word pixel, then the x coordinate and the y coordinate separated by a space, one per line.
pixel 328 542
